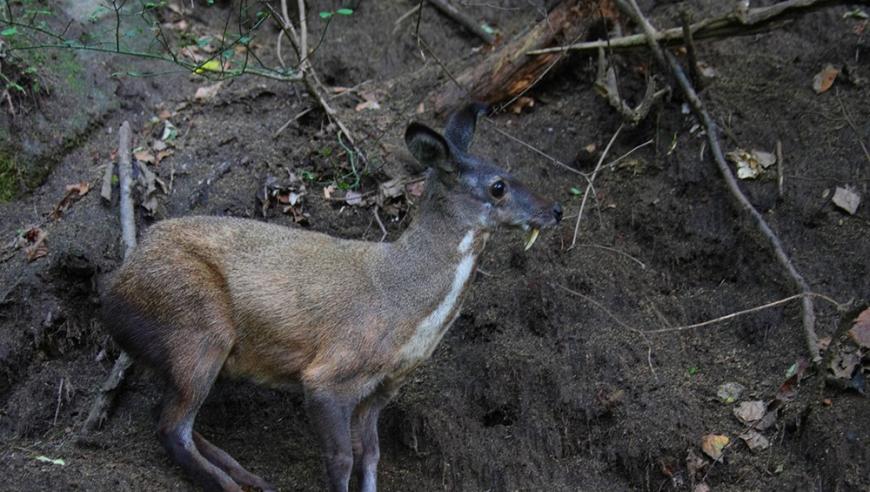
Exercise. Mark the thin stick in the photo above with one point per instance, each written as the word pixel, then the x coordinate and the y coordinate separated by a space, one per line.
pixel 108 391
pixel 615 318
pixel 613 250
pixel 780 168
pixel 464 19
pixel 589 185
pixel 303 31
pixel 744 312
pixel 380 224
pixel 125 175
pixel 59 399
pixel 106 188
pixel 535 149
pixel 686 20
pixel 668 62
pixel 852 125
pixel 398 23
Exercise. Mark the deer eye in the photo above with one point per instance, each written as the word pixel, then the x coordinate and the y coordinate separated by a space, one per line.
pixel 497 189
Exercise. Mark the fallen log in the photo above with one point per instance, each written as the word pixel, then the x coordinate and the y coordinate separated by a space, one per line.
pixel 507 72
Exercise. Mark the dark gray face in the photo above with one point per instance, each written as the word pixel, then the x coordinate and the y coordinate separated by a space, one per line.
pixel 486 194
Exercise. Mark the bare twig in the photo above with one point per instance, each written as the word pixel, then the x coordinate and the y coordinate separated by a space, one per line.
pixel 736 23
pixel 686 24
pixel 668 62
pixel 109 389
pixel 464 19
pixel 744 312
pixel 59 401
pixel 589 185
pixel 852 125
pixel 613 250
pixel 605 83
pixel 780 168
pixel 612 316
pixel 398 23
pixel 106 188
pixel 380 224
pixel 309 76
pixel 534 149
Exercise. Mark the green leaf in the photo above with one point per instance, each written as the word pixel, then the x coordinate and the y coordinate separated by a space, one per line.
pixel 693 371
pixel 344 11
pixel 53 461
pixel 244 40
pixel 9 31
pixel 325 15
pixel 575 191
pixel 487 29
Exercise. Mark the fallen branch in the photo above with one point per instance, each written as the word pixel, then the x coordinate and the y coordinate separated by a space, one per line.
pixel 508 72
pixel 737 23
pixel 463 19
pixel 109 390
pixel 668 62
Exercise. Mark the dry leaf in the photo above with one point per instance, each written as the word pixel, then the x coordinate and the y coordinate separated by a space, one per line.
pixel 860 331
pixel 37 247
pixel 701 487
pixel 823 343
pixel 328 191
pixel 844 363
pixel 74 193
pixel 713 444
pixel 145 155
pixel 755 440
pixel 825 79
pixel 521 104
pixel 749 412
pixel 392 188
pixel 416 189
pixel 694 463
pixel 207 92
pixel 367 105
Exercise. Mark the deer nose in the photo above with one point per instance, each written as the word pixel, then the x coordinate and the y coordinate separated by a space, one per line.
pixel 557 212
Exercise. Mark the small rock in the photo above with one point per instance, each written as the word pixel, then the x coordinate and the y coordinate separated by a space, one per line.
pixel 846 199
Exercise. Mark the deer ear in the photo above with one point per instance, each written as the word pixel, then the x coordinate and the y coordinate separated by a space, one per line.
pixel 428 147
pixel 461 125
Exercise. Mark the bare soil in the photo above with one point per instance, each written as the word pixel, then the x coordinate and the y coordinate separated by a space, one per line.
pixel 534 388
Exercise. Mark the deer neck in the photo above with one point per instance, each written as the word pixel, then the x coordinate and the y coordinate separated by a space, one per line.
pixel 430 268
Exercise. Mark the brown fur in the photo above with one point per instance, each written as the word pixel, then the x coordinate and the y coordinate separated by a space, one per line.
pixel 206 295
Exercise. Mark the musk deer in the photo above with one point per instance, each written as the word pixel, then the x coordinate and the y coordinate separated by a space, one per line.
pixel 203 296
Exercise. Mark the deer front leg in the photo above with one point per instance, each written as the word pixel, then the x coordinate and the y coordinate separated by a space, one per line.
pixel 366 446
pixel 330 416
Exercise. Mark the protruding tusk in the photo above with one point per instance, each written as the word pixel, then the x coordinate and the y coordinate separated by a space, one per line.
pixel 532 237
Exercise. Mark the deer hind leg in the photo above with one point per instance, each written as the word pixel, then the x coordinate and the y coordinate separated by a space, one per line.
pixel 225 462
pixel 189 381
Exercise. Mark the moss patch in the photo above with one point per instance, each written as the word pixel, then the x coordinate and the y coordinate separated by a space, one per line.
pixel 10 177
